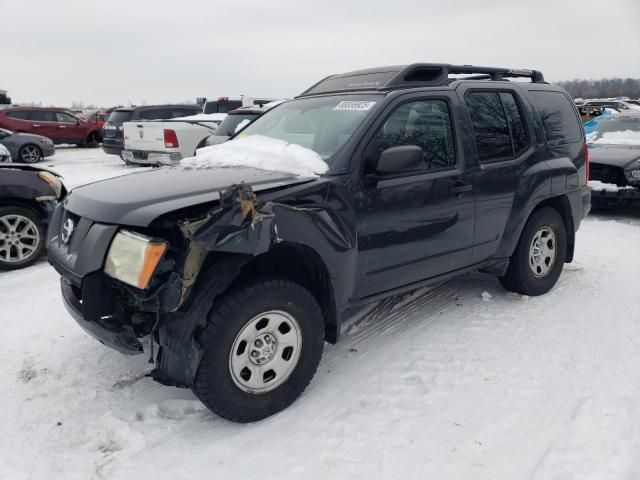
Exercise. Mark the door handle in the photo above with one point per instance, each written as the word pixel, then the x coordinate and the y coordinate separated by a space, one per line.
pixel 61 126
pixel 460 188
pixel 35 125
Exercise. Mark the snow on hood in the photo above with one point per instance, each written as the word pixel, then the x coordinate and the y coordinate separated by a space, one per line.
pixel 622 137
pixel 264 153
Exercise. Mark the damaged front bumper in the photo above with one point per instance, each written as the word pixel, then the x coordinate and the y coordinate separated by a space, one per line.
pixel 116 335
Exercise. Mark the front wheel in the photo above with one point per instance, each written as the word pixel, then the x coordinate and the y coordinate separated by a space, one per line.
pixel 261 347
pixel 21 238
pixel 536 264
pixel 30 154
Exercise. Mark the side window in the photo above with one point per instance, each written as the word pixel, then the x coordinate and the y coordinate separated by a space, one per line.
pixel 558 115
pixel 43 116
pixel 19 114
pixel 425 123
pixel 64 118
pixel 516 124
pixel 490 127
pixel 155 114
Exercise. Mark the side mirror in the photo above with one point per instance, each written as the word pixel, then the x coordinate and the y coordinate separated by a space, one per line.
pixel 399 159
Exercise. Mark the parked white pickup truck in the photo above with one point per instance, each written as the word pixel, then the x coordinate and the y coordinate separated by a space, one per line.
pixel 162 142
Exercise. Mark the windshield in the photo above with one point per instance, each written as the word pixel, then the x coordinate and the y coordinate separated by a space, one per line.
pixel 231 122
pixel 614 130
pixel 120 116
pixel 320 124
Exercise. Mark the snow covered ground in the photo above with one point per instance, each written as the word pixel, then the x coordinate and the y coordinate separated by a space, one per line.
pixel 464 381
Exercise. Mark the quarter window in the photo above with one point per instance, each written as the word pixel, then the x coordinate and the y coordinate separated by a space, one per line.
pixel 559 117
pixel 19 114
pixel 424 123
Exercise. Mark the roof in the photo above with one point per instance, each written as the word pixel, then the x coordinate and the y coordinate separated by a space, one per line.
pixel 414 75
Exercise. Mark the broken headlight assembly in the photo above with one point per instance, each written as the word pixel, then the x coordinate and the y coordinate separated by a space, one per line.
pixel 133 258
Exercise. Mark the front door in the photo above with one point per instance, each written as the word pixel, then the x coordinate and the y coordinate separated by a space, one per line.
pixel 69 128
pixel 419 224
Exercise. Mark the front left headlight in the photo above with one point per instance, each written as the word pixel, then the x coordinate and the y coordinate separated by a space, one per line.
pixel 53 181
pixel 133 258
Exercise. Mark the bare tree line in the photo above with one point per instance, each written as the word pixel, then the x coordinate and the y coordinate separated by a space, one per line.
pixel 603 88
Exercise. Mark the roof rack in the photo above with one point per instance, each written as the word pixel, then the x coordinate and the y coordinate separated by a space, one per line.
pixel 414 75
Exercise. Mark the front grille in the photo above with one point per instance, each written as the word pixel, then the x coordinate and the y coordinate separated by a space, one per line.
pixel 607 174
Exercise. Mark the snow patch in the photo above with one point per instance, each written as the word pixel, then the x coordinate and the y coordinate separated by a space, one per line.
pixel 203 117
pixel 598 186
pixel 622 137
pixel 264 153
pixel 486 296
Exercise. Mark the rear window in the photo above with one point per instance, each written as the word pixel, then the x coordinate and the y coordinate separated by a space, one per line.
pixel 20 114
pixel 228 126
pixel 559 117
pixel 120 116
pixel 222 106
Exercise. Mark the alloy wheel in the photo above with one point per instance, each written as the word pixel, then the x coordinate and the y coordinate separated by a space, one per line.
pixel 19 238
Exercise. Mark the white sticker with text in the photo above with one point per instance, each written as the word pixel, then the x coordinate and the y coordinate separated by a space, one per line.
pixel 354 105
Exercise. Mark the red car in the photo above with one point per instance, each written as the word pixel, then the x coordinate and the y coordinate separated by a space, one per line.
pixel 58 124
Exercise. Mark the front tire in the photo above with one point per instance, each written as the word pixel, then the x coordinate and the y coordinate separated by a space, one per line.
pixel 21 237
pixel 261 347
pixel 30 154
pixel 537 262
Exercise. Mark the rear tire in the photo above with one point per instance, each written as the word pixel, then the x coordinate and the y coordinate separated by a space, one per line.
pixel 537 262
pixel 261 347
pixel 22 237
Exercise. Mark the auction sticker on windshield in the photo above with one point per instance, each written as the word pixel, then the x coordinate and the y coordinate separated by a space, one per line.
pixel 354 105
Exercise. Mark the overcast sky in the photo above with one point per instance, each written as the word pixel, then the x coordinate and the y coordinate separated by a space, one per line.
pixel 119 51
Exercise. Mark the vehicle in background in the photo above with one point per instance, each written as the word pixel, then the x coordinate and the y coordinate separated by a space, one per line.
pixel 226 104
pixel 57 124
pixel 588 112
pixel 615 103
pixel 166 142
pixel 614 159
pixel 28 196
pixel 236 120
pixel 369 184
pixel 26 147
pixel 112 131
pixel 5 155
pixel 98 118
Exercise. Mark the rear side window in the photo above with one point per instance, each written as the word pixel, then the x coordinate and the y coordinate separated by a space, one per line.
pixel 154 114
pixel 516 124
pixel 20 114
pixel 558 115
pixel 490 127
pixel 43 116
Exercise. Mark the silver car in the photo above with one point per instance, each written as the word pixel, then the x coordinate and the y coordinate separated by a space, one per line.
pixel 5 155
pixel 26 147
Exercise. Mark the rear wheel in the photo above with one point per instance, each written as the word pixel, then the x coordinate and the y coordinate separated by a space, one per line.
pixel 30 154
pixel 539 257
pixel 21 237
pixel 261 346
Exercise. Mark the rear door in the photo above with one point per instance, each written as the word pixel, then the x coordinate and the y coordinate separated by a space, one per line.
pixel 417 225
pixel 504 149
pixel 43 122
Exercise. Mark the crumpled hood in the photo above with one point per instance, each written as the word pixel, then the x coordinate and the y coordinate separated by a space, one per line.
pixel 139 198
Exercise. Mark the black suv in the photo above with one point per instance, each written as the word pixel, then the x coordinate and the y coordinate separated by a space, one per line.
pixel 239 275
pixel 112 139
